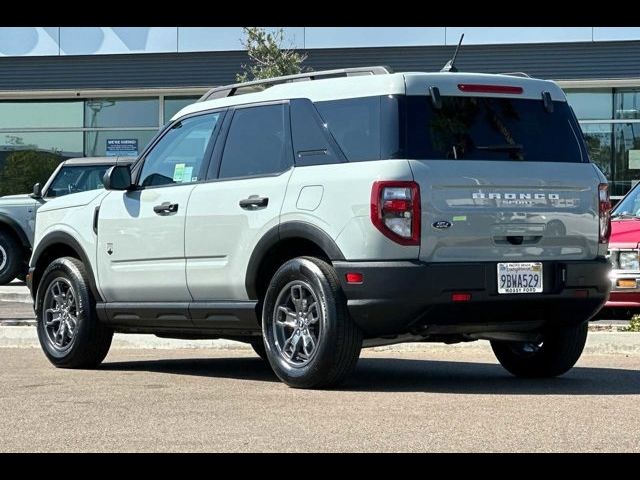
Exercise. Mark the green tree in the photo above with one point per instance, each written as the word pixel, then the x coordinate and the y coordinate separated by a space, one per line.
pixel 23 168
pixel 267 58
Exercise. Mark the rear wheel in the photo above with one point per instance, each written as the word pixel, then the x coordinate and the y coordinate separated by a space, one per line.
pixel 556 354
pixel 310 339
pixel 68 328
pixel 11 258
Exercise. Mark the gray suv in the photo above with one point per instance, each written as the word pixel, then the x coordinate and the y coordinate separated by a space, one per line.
pixel 18 212
pixel 315 215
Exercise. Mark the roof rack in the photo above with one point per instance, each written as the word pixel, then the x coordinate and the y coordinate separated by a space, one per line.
pixel 258 85
pixel 516 74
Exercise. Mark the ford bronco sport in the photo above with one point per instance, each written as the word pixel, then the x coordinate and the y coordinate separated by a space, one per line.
pixel 317 214
pixel 18 212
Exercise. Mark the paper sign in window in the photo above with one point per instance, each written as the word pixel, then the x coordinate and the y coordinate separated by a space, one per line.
pixel 178 172
pixel 634 159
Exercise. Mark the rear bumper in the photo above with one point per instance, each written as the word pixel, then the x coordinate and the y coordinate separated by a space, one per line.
pixel 408 296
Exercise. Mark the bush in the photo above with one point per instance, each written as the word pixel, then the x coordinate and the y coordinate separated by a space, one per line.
pixel 23 168
pixel 634 324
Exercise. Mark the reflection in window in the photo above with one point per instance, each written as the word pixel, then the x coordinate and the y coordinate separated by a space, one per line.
pixel 178 156
pixel 598 139
pixel 627 103
pixel 118 112
pixel 355 125
pixel 73 179
pixel 39 114
pixel 592 104
pixel 626 156
pixel 173 105
pixel 257 143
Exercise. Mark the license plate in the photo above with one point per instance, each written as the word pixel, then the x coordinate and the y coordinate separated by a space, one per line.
pixel 520 277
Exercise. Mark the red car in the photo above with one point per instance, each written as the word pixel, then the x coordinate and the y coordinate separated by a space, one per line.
pixel 624 300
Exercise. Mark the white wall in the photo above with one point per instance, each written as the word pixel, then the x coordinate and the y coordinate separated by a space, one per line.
pixel 31 41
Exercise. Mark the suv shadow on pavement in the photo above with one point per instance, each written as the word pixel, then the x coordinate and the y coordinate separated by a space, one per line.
pixel 408 375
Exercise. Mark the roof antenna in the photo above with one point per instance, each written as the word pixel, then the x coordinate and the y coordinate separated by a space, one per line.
pixel 449 66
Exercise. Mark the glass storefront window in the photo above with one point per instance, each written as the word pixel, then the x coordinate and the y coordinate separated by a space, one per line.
pixel 592 104
pixel 39 114
pixel 626 160
pixel 598 139
pixel 108 142
pixel 627 103
pixel 121 112
pixel 173 105
pixel 30 157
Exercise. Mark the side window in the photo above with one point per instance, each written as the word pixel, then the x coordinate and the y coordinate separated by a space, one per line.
pixel 355 125
pixel 73 179
pixel 310 143
pixel 257 143
pixel 178 156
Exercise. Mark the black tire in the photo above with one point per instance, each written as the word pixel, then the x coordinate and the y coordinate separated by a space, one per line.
pixel 91 339
pixel 338 341
pixel 560 350
pixel 12 256
pixel 258 347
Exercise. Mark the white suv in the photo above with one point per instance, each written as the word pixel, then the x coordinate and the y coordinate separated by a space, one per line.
pixel 311 218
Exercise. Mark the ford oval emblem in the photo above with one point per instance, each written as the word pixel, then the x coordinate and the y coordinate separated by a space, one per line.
pixel 441 224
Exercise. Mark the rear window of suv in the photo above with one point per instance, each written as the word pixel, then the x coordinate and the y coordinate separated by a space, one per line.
pixel 464 128
pixel 491 128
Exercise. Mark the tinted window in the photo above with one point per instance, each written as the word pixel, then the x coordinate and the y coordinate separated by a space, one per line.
pixel 257 143
pixel 310 143
pixel 178 156
pixel 488 128
pixel 355 125
pixel 72 179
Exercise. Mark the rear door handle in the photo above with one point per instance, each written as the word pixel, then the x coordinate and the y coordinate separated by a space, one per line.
pixel 253 202
pixel 166 208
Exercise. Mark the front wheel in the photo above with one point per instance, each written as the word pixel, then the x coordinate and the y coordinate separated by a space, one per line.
pixel 69 331
pixel 556 354
pixel 310 339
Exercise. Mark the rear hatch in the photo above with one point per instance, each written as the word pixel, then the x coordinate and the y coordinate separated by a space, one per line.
pixel 503 174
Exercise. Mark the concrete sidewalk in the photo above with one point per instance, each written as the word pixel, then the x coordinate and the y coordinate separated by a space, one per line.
pixel 626 343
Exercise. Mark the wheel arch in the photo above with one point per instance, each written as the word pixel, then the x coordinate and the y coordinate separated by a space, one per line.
pixel 283 242
pixel 9 224
pixel 55 245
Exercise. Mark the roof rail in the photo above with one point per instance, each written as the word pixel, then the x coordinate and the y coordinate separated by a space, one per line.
pixel 516 74
pixel 257 85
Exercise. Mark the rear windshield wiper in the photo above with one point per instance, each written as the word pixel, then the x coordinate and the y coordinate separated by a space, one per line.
pixel 507 147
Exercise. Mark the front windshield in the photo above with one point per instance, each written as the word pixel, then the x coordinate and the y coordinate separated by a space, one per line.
pixel 629 205
pixel 72 179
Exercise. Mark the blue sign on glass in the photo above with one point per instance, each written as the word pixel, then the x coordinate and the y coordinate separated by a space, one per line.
pixel 122 147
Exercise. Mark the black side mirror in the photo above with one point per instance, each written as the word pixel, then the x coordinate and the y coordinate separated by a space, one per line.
pixel 37 191
pixel 117 177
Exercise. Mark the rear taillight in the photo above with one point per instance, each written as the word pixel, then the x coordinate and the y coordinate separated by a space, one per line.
pixel 395 211
pixel 604 211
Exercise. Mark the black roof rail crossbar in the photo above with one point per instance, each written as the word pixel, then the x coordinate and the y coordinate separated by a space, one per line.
pixel 516 74
pixel 230 90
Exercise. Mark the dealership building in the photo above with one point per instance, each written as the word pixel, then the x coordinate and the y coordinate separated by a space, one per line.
pixel 93 91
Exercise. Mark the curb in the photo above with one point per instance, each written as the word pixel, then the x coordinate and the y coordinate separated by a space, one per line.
pixel 625 343
pixel 15 292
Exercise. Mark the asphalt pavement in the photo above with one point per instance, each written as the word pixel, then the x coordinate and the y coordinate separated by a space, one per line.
pixel 215 400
